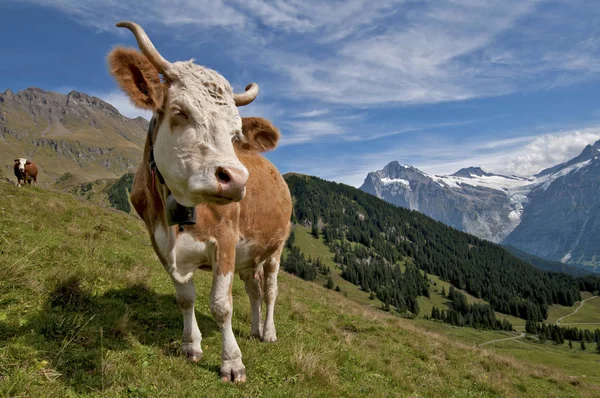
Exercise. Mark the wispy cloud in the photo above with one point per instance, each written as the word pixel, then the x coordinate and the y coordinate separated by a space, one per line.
pixel 313 113
pixel 308 131
pixel 102 15
pixel 393 51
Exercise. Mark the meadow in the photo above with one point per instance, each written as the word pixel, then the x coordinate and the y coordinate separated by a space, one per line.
pixel 87 310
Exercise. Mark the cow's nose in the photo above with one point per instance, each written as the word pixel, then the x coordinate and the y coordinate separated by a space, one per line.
pixel 232 182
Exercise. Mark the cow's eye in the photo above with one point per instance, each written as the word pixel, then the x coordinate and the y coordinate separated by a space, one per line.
pixel 180 114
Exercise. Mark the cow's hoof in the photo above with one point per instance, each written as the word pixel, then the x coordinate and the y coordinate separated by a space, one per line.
pixel 256 334
pixel 234 371
pixel 270 337
pixel 192 354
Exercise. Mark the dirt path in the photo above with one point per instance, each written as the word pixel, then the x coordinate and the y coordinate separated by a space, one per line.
pixel 574 312
pixel 508 338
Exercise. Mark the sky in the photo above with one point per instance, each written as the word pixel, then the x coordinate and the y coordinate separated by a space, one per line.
pixel 512 86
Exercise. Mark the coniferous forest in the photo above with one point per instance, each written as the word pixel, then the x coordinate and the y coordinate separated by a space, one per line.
pixel 371 239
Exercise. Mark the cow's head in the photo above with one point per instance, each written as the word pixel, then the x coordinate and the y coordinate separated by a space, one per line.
pixel 197 120
pixel 20 163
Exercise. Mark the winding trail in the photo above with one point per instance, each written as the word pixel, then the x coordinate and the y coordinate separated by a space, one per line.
pixel 508 338
pixel 574 312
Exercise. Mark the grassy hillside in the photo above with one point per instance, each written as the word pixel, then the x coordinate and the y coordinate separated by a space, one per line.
pixel 315 247
pixel 85 308
pixel 571 361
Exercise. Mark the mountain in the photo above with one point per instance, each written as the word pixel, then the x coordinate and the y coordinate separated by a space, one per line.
pixel 552 214
pixel 74 133
pixel 562 219
pixel 471 200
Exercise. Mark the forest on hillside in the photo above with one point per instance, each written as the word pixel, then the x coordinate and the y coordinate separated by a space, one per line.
pixel 371 237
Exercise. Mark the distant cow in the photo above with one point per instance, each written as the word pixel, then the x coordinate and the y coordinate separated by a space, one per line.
pixel 25 170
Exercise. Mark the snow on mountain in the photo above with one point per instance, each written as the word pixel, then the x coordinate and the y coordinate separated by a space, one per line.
pixel 488 205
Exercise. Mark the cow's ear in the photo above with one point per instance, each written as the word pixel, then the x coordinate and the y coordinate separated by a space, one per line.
pixel 16 160
pixel 137 77
pixel 259 134
pixel 27 162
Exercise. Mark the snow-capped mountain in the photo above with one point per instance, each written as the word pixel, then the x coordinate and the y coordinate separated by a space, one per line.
pixel 471 200
pixel 550 214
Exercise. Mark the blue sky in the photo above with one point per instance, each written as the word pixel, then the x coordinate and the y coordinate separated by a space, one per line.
pixel 511 85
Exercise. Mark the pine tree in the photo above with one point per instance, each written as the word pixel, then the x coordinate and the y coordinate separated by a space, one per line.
pixel 291 239
pixel 570 344
pixel 451 293
pixel 330 283
pixel 315 228
pixel 583 345
pixel 598 347
pixel 530 327
pixel 443 291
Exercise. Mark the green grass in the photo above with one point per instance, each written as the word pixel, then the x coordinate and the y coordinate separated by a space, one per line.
pixel 86 309
pixel 589 312
pixel 587 317
pixel 571 361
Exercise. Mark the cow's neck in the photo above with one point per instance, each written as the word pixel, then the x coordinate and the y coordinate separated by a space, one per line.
pixel 175 213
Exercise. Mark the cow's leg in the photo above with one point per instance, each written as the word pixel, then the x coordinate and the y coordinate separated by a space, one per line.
pixel 271 268
pixel 164 244
pixel 253 280
pixel 221 307
pixel 192 338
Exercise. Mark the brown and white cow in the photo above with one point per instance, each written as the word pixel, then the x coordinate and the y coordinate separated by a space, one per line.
pixel 208 158
pixel 26 171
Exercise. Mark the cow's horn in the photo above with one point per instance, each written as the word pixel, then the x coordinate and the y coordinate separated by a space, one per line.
pixel 248 96
pixel 146 45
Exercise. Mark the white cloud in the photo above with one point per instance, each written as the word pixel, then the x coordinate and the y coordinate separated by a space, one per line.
pixel 121 101
pixel 550 150
pixel 523 156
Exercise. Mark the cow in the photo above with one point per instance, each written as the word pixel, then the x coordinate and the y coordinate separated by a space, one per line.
pixel 25 170
pixel 202 160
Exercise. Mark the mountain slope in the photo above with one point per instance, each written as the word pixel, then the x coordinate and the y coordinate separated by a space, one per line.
pixel 74 133
pixel 548 265
pixel 391 235
pixel 98 317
